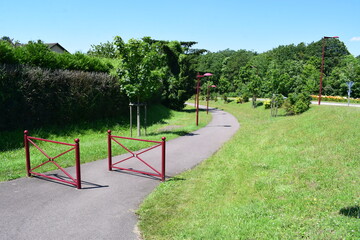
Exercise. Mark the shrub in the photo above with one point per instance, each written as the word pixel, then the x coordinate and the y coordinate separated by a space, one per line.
pixel 297 103
pixel 224 97
pixel 239 100
pixel 245 97
pixel 267 104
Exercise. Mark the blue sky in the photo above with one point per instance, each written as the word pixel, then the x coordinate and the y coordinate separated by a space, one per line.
pixel 257 25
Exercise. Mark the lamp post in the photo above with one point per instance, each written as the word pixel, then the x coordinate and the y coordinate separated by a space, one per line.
pixel 197 94
pixel 322 64
pixel 207 97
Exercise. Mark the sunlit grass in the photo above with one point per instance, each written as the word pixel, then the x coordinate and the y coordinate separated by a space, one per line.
pixel 277 178
pixel 93 139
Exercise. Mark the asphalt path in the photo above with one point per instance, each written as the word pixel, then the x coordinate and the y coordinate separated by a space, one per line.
pixel 35 208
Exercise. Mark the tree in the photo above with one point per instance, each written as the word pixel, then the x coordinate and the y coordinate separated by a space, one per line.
pixel 180 81
pixel 348 70
pixel 106 50
pixel 310 74
pixel 141 70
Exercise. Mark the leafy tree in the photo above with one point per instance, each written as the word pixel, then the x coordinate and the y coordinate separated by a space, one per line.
pixel 142 68
pixel 212 62
pixel 105 50
pixel 180 81
pixel 310 74
pixel 348 70
pixel 11 41
pixel 225 67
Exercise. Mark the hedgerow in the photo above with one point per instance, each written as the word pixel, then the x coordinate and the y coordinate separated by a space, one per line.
pixel 32 96
pixel 37 54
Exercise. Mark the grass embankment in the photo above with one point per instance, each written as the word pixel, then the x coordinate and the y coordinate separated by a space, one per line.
pixel 289 177
pixel 93 139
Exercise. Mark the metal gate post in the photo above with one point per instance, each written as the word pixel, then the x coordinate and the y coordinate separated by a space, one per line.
pixel 77 156
pixel 109 150
pixel 27 153
pixel 163 158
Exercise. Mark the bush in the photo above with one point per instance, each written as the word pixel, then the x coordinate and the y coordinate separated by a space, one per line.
pixel 224 97
pixel 31 96
pixel 297 103
pixel 239 100
pixel 267 104
pixel 245 97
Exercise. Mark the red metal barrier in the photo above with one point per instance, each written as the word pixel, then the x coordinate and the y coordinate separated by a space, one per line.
pixel 136 155
pixel 76 182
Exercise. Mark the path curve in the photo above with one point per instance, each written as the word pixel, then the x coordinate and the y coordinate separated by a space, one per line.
pixel 31 208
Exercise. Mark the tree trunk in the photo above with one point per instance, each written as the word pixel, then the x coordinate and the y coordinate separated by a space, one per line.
pixel 138 118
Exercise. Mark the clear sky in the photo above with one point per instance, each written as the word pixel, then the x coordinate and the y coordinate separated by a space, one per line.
pixel 258 25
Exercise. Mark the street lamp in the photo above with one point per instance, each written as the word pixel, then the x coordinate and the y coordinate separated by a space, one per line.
pixel 197 94
pixel 322 65
pixel 207 97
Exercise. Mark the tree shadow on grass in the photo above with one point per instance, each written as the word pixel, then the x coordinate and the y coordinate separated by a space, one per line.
pixel 14 139
pixel 192 110
pixel 352 211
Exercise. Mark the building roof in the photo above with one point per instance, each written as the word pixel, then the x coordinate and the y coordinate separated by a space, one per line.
pixel 51 45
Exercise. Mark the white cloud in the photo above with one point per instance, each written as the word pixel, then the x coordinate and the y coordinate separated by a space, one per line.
pixel 355 39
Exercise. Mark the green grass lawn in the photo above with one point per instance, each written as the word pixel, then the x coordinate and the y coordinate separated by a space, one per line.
pixel 289 177
pixel 93 139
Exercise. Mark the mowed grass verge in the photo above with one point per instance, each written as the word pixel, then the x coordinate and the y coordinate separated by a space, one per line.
pixel 289 177
pixel 93 139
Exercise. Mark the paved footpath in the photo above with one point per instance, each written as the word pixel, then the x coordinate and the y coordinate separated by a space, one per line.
pixel 33 208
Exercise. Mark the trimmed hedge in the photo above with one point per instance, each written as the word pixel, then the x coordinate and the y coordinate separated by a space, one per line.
pixel 37 54
pixel 31 96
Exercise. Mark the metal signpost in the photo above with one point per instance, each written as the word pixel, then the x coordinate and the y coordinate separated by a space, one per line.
pixel 138 105
pixel 350 84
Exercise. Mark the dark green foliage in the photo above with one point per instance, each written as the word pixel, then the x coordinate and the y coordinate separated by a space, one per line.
pixel 31 96
pixel 297 103
pixel 179 82
pixel 6 52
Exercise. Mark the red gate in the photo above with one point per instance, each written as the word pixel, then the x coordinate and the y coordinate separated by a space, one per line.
pixel 136 155
pixel 76 182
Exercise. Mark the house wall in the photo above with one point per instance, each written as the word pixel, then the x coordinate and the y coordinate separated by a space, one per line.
pixel 57 49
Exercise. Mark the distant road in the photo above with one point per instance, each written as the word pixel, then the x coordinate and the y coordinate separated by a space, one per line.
pixel 336 104
pixel 324 103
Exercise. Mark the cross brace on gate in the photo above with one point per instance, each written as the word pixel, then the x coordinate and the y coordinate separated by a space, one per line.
pixel 136 155
pixel 76 182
